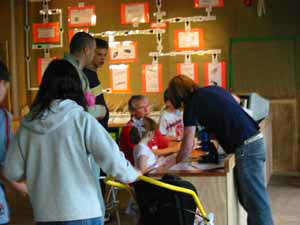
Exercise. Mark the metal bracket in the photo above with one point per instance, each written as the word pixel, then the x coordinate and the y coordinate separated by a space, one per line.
pixel 187 58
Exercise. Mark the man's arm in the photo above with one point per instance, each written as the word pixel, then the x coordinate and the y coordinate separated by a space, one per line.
pixel 106 152
pixel 187 143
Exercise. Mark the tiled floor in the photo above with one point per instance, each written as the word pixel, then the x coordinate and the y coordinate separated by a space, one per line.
pixel 284 192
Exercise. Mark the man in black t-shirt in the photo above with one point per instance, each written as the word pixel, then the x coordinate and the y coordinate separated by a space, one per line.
pixel 96 88
pixel 94 83
pixel 216 109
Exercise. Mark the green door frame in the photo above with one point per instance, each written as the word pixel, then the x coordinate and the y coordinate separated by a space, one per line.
pixel 233 41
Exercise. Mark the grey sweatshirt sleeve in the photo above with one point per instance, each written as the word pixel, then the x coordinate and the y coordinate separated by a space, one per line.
pixel 107 153
pixel 97 110
pixel 14 163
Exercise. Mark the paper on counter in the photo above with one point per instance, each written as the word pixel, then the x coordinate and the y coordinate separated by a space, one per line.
pixel 196 166
pixel 183 166
pixel 206 166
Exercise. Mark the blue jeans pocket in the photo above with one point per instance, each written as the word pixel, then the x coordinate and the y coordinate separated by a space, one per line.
pixel 249 176
pixel 255 149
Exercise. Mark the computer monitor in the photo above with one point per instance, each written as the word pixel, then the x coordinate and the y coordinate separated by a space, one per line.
pixel 255 105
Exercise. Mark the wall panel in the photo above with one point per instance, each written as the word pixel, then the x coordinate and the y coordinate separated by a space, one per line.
pixel 285 135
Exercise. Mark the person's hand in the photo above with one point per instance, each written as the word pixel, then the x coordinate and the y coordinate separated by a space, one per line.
pixel 179 134
pixel 197 143
pixel 140 173
pixel 160 161
pixel 21 188
pixel 171 159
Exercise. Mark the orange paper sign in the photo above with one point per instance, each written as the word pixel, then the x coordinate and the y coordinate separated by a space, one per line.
pixel 46 32
pixel 188 69
pixel 119 79
pixel 42 66
pixel 123 52
pixel 152 78
pixel 82 16
pixel 207 3
pixel 134 13
pixel 189 39
pixel 215 74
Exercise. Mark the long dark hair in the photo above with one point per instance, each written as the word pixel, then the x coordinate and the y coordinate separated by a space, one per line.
pixel 168 97
pixel 60 81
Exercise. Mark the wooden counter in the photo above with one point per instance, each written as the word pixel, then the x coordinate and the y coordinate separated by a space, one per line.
pixel 216 191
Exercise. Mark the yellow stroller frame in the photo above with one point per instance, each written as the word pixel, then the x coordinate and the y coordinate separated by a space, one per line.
pixel 207 219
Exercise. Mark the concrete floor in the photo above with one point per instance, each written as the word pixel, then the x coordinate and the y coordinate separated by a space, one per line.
pixel 284 190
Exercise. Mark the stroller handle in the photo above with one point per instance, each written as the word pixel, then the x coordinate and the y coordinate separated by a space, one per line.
pixel 113 183
pixel 110 182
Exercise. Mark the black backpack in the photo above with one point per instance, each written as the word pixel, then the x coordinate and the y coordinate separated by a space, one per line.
pixel 162 206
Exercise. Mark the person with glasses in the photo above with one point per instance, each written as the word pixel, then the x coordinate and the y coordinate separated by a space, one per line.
pixel 139 108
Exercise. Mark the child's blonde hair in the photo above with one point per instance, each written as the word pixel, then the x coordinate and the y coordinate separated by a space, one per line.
pixel 137 133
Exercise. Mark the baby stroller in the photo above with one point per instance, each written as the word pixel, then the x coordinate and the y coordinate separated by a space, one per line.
pixel 165 201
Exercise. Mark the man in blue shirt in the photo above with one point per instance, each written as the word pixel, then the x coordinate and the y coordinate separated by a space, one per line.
pixel 216 109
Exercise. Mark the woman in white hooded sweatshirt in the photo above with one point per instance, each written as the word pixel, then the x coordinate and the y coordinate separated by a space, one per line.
pixel 52 151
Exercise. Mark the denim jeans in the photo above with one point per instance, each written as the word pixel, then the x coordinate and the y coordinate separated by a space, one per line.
pixel 93 221
pixel 250 180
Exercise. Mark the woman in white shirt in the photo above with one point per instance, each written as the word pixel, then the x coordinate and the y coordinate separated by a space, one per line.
pixel 141 134
pixel 171 122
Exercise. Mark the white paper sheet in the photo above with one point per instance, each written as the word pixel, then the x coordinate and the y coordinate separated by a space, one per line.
pixel 188 39
pixel 82 16
pixel 125 50
pixel 215 74
pixel 188 69
pixel 135 13
pixel 43 64
pixel 206 166
pixel 205 3
pixel 46 32
pixel 183 166
pixel 119 77
pixel 152 78
pixel 195 166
